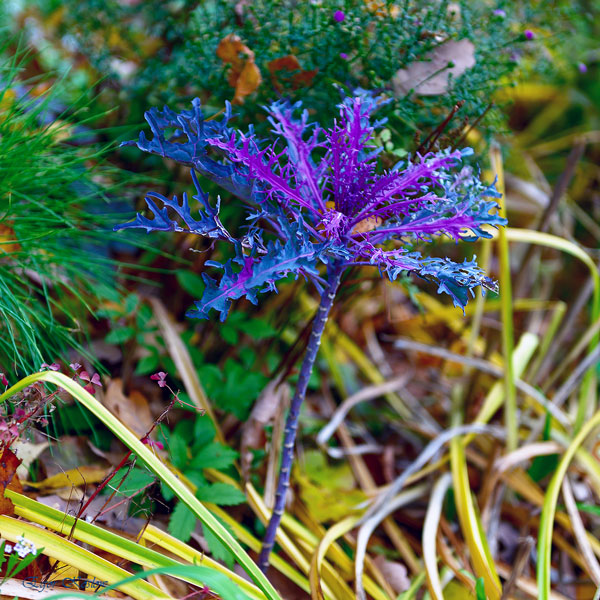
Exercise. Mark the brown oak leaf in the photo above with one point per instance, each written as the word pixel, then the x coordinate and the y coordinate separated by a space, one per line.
pixel 286 70
pixel 8 480
pixel 244 75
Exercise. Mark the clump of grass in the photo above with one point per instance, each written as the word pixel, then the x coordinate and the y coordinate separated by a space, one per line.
pixel 53 252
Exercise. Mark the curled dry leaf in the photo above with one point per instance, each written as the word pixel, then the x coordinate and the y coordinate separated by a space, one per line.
pixel 286 71
pixel 132 410
pixel 8 480
pixel 431 76
pixel 263 413
pixel 84 475
pixel 395 573
pixel 244 76
pixel 27 453
pixel 8 241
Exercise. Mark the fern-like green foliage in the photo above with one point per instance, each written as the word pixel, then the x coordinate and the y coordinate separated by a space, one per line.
pixel 303 51
pixel 53 254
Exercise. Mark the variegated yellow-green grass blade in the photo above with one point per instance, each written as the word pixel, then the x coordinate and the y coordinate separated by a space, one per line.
pixel 155 465
pixel 470 524
pixel 108 541
pixel 216 581
pixel 65 551
pixel 506 312
pixel 317 561
pixel 549 508
pixel 553 241
pixel 178 548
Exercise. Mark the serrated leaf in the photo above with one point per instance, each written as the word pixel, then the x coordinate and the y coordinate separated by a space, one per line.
pixel 196 477
pixel 214 456
pixel 120 336
pixel 221 494
pixel 185 431
pixel 182 522
pixel 204 432
pixel 135 480
pixel 193 152
pixel 217 549
pixel 257 275
pixel 178 451
pixel 191 282
pixel 207 224
pixel 240 390
pixel 166 492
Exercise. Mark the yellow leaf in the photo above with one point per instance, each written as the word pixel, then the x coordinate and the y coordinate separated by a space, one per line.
pixel 61 570
pixel 244 75
pixel 457 591
pixel 247 82
pixel 72 478
pixel 8 242
pixel 327 490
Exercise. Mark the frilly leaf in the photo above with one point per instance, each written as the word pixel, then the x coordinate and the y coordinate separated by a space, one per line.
pixel 257 274
pixel 190 124
pixel 209 224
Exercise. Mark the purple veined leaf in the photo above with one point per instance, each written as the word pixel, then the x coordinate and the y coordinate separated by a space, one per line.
pixel 319 196
pixel 247 275
pixel 183 136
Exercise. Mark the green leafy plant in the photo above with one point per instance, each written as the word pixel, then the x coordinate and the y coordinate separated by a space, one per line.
pixel 267 49
pixel 192 449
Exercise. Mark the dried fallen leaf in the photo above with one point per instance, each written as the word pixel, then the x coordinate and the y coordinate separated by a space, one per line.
pixel 395 573
pixel 286 71
pixel 8 480
pixel 27 453
pixel 8 242
pixel 83 475
pixel 132 410
pixel 244 76
pixel 431 76
pixel 328 491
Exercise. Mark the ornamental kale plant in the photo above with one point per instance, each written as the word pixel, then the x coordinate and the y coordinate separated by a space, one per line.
pixel 318 204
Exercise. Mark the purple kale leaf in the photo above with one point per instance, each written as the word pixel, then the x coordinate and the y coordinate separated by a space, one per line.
pixel 183 136
pixel 318 196
pixel 330 178
pixel 209 224
pixel 249 274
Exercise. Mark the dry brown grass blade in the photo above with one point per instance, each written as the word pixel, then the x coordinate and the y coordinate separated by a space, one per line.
pixel 359 468
pixel 430 528
pixel 521 558
pixel 183 362
pixel 526 584
pixel 580 534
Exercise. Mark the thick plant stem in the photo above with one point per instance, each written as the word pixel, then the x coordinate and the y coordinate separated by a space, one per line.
pixel 291 424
